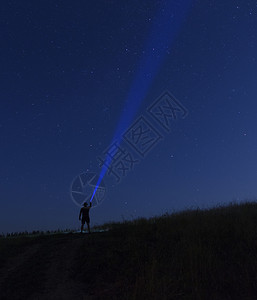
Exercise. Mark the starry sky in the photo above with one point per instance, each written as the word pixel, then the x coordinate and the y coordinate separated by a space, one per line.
pixel 67 68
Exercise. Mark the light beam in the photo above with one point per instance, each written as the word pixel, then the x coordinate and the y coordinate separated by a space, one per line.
pixel 165 28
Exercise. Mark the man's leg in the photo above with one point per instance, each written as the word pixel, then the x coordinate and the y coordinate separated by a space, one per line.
pixel 88 227
pixel 82 227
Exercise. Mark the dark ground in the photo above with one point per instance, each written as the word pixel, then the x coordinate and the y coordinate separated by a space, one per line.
pixel 191 255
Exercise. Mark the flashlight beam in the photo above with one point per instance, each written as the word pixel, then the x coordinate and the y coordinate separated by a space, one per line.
pixel 164 31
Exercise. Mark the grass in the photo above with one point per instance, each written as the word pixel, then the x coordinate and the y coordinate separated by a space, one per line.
pixel 194 254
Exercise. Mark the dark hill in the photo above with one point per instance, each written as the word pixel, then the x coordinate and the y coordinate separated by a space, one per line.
pixel 198 254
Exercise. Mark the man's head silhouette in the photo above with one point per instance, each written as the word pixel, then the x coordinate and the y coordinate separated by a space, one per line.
pixel 85 204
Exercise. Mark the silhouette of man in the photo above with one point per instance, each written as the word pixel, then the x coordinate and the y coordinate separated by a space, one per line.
pixel 84 212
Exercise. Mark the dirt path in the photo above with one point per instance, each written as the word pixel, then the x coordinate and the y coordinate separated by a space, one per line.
pixel 15 263
pixel 59 283
pixel 43 270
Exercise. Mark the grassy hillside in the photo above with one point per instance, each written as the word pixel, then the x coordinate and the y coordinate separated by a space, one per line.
pixel 209 254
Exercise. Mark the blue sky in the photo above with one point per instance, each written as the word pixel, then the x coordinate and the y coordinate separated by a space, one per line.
pixel 67 69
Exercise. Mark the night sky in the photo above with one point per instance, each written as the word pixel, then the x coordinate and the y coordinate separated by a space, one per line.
pixel 69 72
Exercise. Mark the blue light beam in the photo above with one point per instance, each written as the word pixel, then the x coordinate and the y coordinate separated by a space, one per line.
pixel 165 28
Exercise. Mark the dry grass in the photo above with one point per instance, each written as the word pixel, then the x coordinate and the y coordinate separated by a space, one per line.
pixel 195 254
